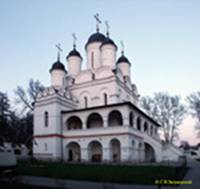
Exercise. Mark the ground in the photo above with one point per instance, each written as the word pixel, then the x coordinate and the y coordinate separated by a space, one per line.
pixel 131 174
pixel 5 185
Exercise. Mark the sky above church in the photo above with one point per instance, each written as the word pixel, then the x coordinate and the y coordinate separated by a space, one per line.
pixel 162 41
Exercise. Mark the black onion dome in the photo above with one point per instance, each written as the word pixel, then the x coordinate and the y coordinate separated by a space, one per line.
pixel 96 37
pixel 108 41
pixel 57 66
pixel 74 52
pixel 123 59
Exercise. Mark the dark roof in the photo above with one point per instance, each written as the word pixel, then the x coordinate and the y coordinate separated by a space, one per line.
pixel 123 59
pixel 107 40
pixel 74 52
pixel 96 37
pixel 57 66
pixel 113 105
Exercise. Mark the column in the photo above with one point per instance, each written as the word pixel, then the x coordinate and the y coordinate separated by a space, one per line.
pixel 142 125
pixel 105 122
pixel 84 123
pixel 106 152
pixel 84 154
pixel 135 121
pixel 125 121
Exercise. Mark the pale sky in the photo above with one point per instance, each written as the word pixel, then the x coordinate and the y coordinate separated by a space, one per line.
pixel 162 41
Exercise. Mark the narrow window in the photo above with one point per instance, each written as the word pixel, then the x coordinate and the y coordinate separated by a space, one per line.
pixel 45 147
pixel 86 102
pixel 131 119
pixel 92 59
pixel 105 98
pixel 46 119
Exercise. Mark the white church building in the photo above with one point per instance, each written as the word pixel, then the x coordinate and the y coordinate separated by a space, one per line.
pixel 92 115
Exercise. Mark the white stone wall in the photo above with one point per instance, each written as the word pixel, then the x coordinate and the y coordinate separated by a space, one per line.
pixel 53 104
pixel 57 78
pixel 95 49
pixel 171 153
pixel 74 65
pixel 108 55
pixel 125 68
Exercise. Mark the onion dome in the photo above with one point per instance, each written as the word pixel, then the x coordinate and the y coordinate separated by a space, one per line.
pixel 108 41
pixel 123 59
pixel 96 37
pixel 74 52
pixel 57 66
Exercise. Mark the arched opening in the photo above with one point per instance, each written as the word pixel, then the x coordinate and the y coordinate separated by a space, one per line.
pixel 149 153
pixel 151 130
pixel 94 121
pixel 73 152
pixel 73 123
pixel 46 119
pixel 133 144
pixel 145 127
pixel 139 123
pixel 105 96
pixel 17 152
pixel 95 151
pixel 115 118
pixel 131 119
pixel 115 148
pixel 85 101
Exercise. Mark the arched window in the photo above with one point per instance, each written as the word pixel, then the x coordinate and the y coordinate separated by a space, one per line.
pixel 45 147
pixel 17 152
pixel 86 102
pixel 115 118
pixel 133 144
pixel 151 131
pixel 131 119
pixel 94 121
pixel 145 127
pixel 105 96
pixel 73 123
pixel 115 150
pixel 46 119
pixel 139 123
pixel 156 131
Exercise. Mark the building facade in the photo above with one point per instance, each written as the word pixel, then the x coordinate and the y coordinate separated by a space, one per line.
pixel 93 114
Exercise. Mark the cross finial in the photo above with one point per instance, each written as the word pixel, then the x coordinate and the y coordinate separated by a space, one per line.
pixel 59 51
pixel 107 28
pixel 74 40
pixel 98 21
pixel 122 47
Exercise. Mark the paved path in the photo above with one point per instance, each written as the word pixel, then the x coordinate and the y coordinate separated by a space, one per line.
pixel 193 175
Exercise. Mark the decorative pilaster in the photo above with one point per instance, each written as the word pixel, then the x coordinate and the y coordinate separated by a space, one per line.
pixel 105 122
pixel 84 155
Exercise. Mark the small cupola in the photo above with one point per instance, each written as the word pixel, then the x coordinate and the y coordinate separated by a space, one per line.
pixel 96 37
pixel 123 59
pixel 108 50
pixel 123 63
pixel 58 71
pixel 57 66
pixel 92 46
